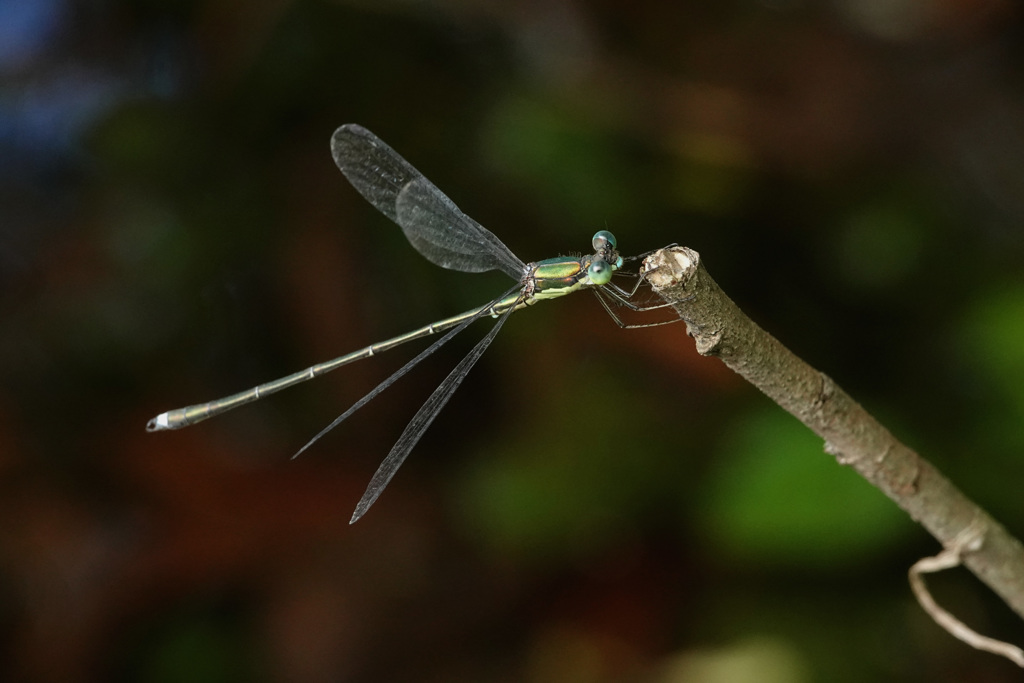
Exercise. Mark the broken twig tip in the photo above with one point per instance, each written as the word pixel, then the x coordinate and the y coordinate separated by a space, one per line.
pixel 669 266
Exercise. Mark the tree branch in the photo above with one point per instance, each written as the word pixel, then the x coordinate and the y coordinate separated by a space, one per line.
pixel 853 436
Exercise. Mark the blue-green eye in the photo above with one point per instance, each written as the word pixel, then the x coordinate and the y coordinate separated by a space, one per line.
pixel 599 272
pixel 602 239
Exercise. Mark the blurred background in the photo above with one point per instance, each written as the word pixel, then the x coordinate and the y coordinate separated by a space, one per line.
pixel 594 505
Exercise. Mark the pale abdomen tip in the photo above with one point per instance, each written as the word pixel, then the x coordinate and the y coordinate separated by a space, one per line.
pixel 157 423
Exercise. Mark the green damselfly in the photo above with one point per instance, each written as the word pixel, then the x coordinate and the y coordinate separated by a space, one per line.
pixel 451 239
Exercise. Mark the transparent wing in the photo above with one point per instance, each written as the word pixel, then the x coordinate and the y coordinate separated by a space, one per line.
pixel 422 419
pixel 481 312
pixel 432 223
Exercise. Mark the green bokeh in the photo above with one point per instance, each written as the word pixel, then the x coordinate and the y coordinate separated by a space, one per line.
pixel 773 496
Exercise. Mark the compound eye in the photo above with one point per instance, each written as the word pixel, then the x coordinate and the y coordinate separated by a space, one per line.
pixel 603 239
pixel 600 272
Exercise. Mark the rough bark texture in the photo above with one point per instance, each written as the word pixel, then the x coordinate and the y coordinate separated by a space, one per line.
pixel 853 436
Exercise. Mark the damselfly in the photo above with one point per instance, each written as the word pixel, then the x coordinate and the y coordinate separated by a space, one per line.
pixel 451 239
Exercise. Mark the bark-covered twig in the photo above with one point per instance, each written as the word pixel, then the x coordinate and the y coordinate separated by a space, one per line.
pixel 853 436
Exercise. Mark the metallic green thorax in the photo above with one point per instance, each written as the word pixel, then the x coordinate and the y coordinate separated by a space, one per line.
pixel 556 277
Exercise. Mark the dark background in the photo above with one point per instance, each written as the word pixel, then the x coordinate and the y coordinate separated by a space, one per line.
pixel 594 504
